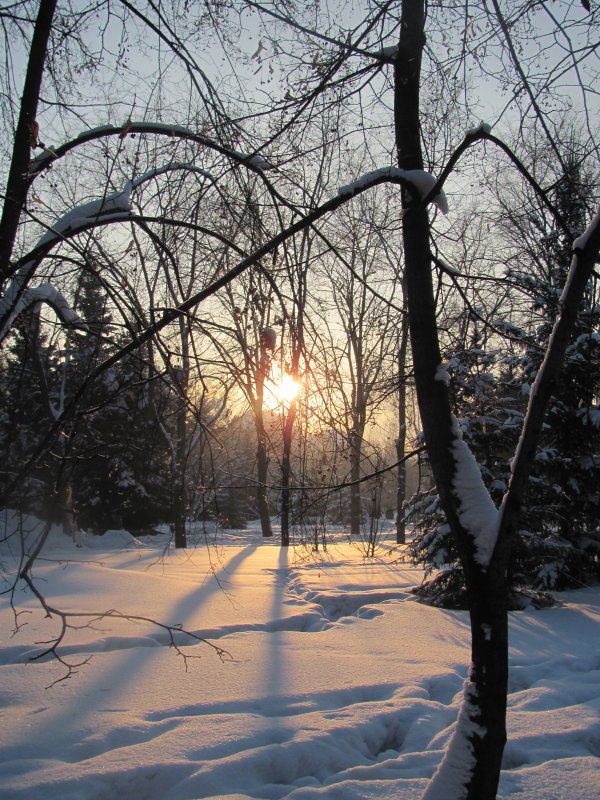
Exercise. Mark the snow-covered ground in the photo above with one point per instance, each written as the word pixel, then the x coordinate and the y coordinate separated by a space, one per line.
pixel 335 685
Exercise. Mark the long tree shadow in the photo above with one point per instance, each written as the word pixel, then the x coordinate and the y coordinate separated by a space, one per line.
pixel 124 670
pixel 274 688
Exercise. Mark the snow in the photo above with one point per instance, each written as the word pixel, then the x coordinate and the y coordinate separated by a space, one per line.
pixel 255 160
pixel 110 206
pixel 581 241
pixel 442 374
pixel 17 297
pixel 590 415
pixel 115 207
pixel 97 131
pixel 174 165
pixel 167 127
pixel 13 305
pixel 422 181
pixel 477 513
pixel 448 781
pixel 338 686
pixel 45 293
pixel 483 127
pixel 38 163
pixel 391 51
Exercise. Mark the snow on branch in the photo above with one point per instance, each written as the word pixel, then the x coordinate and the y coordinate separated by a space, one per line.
pixel 419 179
pixel 476 510
pixel 388 53
pixel 482 129
pixel 18 297
pixel 50 154
pixel 254 160
pixel 117 204
pixel 45 293
pixel 114 207
pixel 174 165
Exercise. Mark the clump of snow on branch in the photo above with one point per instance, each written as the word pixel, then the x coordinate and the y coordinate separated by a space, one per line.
pixel 582 240
pixel 114 204
pixel 18 297
pixel 477 513
pixel 38 163
pixel 483 127
pixel 389 52
pixel 590 415
pixel 442 374
pixel 420 179
pixel 459 759
pixel 254 160
pixel 45 293
pixel 113 207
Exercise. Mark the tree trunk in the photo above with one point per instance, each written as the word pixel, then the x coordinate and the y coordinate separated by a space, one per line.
pixel 481 728
pixel 482 717
pixel 488 608
pixel 18 178
pixel 179 494
pixel 401 440
pixel 262 472
pixel 288 430
pixel 355 488
pixel 262 457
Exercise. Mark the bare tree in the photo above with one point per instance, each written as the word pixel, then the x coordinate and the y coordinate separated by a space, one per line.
pixel 363 323
pixel 358 71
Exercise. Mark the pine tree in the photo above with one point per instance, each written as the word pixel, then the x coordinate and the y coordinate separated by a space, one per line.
pixel 115 457
pixel 27 393
pixel 563 500
pixel 489 406
pixel 558 545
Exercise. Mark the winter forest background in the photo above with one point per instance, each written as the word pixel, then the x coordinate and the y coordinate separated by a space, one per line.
pixel 329 266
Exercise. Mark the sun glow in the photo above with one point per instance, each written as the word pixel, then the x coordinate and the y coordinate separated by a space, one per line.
pixel 281 392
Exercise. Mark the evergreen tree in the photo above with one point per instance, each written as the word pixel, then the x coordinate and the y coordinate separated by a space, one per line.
pixel 27 393
pixel 558 545
pixel 489 404
pixel 111 450
pixel 563 500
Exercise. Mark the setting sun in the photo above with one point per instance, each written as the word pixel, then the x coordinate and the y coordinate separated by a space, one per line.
pixel 282 391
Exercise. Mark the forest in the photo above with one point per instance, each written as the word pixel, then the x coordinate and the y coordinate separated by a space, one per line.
pixel 307 268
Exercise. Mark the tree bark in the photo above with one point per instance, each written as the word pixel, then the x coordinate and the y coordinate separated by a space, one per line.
pixel 482 719
pixel 401 440
pixel 179 493
pixel 18 179
pixel 288 430
pixel 355 488
pixel 262 457
pixel 262 471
